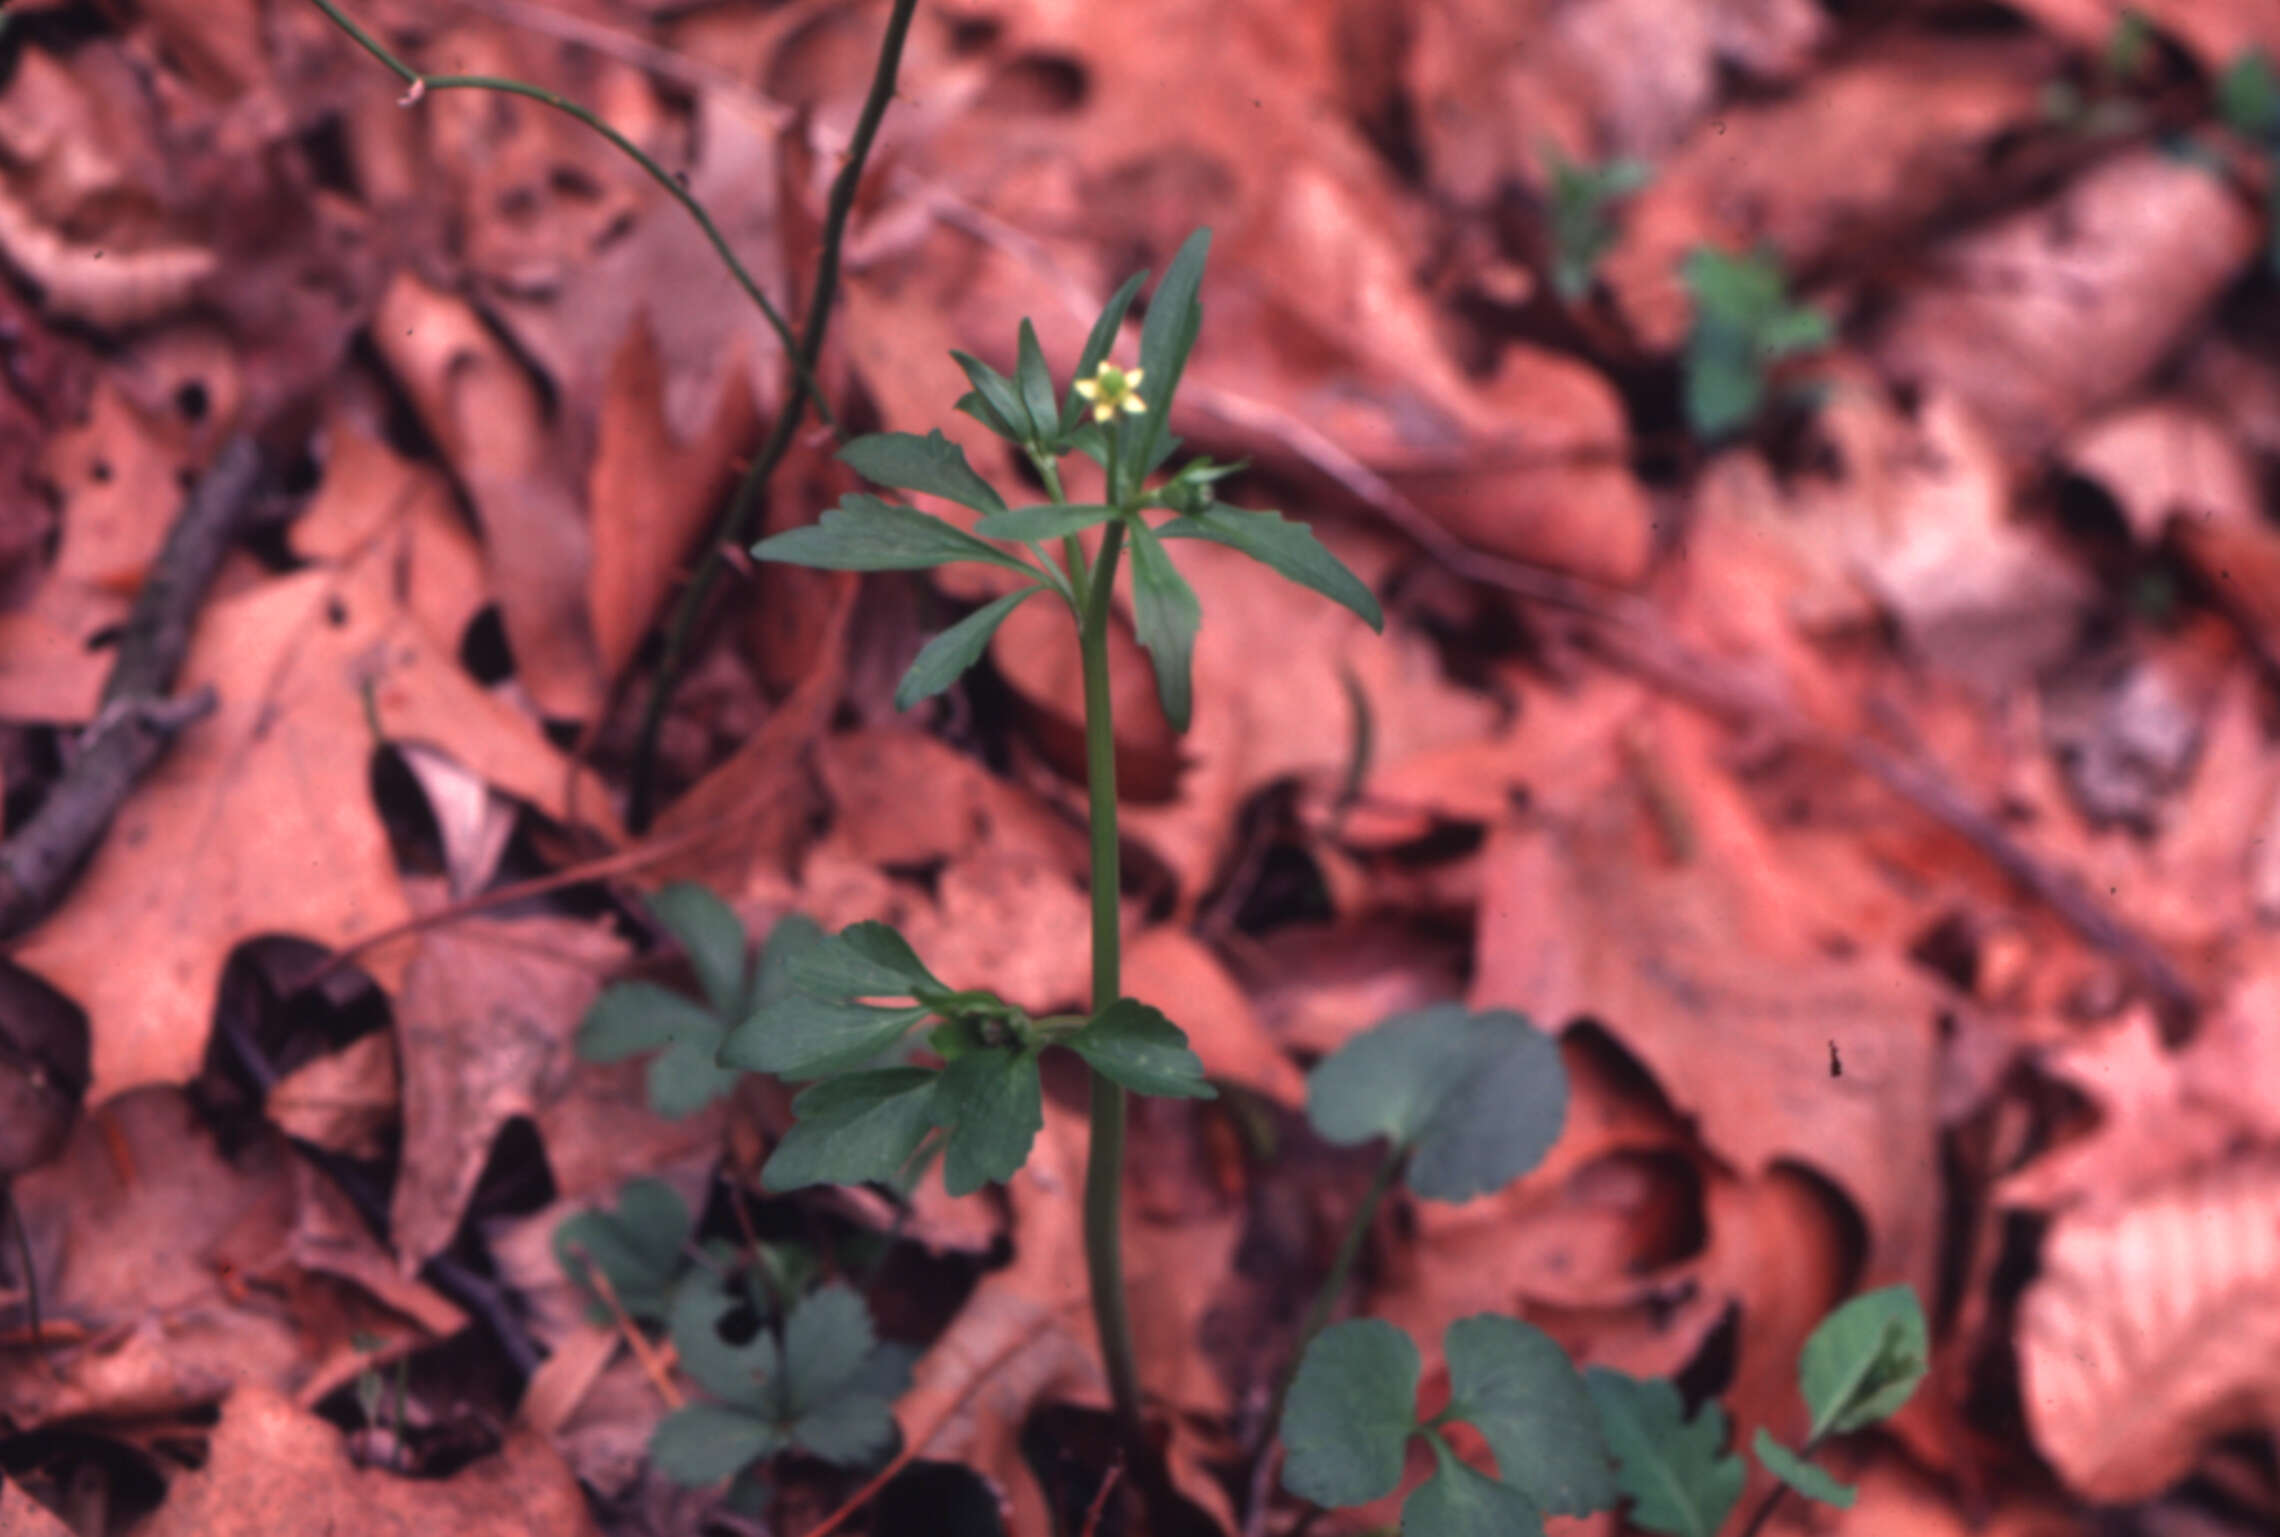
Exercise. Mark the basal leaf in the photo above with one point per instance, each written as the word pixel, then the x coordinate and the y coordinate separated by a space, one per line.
pixel 1289 548
pixel 1098 344
pixel 1036 381
pixel 932 464
pixel 1681 1480
pixel 1477 1098
pixel 1046 520
pixel 1806 1478
pixel 1500 1117
pixel 1458 1501
pixel 1514 1384
pixel 1165 617
pixel 1347 1422
pixel 826 1338
pixel 1863 1361
pixel 630 1018
pixel 701 1444
pixel 1132 1044
pixel 806 1037
pixel 992 1104
pixel 864 533
pixel 853 1129
pixel 942 660
pixel 712 936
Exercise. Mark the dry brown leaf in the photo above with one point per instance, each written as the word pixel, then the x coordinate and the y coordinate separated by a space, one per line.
pixel 485 1026
pixel 2168 459
pixel 344 1100
pixel 2116 267
pixel 903 798
pixel 260 820
pixel 2216 32
pixel 651 492
pixel 23 1516
pixel 2152 1329
pixel 277 1471
pixel 129 1227
pixel 1715 974
pixel 118 474
pixel 484 410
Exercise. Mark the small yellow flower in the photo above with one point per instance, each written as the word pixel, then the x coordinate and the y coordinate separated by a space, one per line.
pixel 1111 389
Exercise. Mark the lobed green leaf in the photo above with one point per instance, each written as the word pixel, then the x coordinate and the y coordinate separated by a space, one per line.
pixel 807 1037
pixel 713 938
pixel 864 960
pixel 826 1339
pixel 854 1129
pixel 701 1444
pixel 748 1373
pixel 1681 1480
pixel 637 1247
pixel 932 464
pixel 630 1018
pixel 1131 1044
pixel 993 1105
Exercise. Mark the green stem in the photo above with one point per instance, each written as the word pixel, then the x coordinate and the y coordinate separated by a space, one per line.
pixel 1104 1167
pixel 1333 1287
pixel 1772 1501
pixel 733 527
pixel 421 84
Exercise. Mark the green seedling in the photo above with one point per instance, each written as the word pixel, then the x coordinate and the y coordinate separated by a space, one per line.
pixel 1860 1364
pixel 2104 109
pixel 632 1019
pixel 2248 98
pixel 1744 325
pixel 1583 199
pixel 813 1378
pixel 641 1250
pixel 1353 1411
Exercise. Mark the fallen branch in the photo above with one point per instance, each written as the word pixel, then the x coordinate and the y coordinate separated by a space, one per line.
pixel 137 719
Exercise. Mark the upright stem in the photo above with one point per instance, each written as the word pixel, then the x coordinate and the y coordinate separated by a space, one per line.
pixel 1104 1167
pixel 1333 1287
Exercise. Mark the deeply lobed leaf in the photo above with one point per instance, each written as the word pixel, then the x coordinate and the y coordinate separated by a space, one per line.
pixel 1676 1471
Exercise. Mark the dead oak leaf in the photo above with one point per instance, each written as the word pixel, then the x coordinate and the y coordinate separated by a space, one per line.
pixel 260 820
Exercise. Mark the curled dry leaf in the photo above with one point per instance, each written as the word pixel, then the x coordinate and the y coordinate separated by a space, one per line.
pixel 2153 1329
pixel 2168 459
pixel 2116 267
pixel 276 1471
pixel 485 1024
pixel 344 1100
pixel 485 411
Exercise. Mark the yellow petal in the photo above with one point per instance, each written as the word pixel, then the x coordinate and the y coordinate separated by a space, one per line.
pixel 1089 389
pixel 1135 404
pixel 1103 411
pixel 1133 378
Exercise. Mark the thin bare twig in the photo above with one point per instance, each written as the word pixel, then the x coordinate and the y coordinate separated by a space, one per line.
pixel 654 1365
pixel 1099 1505
pixel 137 719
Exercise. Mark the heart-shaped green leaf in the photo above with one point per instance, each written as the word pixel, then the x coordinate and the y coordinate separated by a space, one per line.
pixel 1458 1501
pixel 1511 1381
pixel 1477 1099
pixel 1350 1413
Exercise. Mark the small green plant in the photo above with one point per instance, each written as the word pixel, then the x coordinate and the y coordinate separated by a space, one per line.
pixel 875 1112
pixel 788 1365
pixel 1583 199
pixel 633 1019
pixel 2104 109
pixel 2248 97
pixel 1744 325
